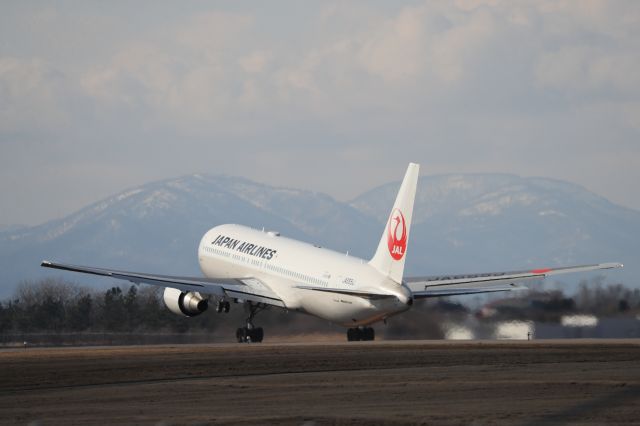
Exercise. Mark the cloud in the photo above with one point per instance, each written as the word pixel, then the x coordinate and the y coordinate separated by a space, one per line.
pixel 140 74
pixel 31 93
pixel 208 68
pixel 185 77
pixel 469 85
pixel 255 62
pixel 586 69
pixel 397 50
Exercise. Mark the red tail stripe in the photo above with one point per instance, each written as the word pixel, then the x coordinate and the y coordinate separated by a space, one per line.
pixel 541 271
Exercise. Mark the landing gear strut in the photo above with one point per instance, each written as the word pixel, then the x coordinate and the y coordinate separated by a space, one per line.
pixel 361 333
pixel 250 333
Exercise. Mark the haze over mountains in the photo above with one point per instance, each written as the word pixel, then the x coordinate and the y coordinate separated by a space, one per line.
pixel 461 223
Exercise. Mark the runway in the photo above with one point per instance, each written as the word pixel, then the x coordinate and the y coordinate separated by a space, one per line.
pixel 524 383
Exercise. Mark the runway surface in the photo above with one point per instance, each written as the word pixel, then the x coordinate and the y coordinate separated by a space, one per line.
pixel 523 383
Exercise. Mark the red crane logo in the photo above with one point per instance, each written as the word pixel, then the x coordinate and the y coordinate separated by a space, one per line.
pixel 397 235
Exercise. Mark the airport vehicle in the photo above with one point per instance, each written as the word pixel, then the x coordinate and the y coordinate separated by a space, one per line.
pixel 265 269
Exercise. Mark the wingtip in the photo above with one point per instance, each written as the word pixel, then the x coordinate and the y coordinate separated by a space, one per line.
pixel 45 263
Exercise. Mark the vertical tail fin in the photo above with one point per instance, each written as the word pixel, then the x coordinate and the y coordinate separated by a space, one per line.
pixel 390 256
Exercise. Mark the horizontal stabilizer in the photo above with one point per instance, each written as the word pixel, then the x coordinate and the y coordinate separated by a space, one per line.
pixel 359 293
pixel 460 291
pixel 449 285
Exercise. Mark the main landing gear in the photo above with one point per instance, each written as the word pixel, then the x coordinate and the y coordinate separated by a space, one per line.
pixel 250 333
pixel 361 333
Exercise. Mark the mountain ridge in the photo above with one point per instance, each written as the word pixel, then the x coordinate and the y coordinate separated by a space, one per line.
pixel 462 223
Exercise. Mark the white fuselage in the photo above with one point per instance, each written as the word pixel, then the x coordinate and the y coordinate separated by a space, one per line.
pixel 284 265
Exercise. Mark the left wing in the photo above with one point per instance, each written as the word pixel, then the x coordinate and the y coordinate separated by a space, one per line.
pixel 245 288
pixel 450 285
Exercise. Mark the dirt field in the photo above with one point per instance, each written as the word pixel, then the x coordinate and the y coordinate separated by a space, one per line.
pixel 526 383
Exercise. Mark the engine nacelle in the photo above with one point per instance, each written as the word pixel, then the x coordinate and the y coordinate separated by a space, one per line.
pixel 187 303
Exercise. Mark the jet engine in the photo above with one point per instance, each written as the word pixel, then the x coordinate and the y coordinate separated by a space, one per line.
pixel 187 303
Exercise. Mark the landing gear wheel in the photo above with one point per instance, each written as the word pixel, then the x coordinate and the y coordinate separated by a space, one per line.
pixel 241 334
pixel 353 334
pixel 223 306
pixel 250 333
pixel 257 334
pixel 364 334
pixel 368 333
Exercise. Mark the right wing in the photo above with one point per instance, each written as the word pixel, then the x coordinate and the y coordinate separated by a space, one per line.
pixel 451 285
pixel 245 288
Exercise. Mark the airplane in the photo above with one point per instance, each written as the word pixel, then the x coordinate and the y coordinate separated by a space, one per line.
pixel 264 269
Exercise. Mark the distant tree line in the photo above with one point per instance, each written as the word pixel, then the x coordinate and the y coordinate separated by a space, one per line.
pixel 592 297
pixel 53 305
pixel 58 306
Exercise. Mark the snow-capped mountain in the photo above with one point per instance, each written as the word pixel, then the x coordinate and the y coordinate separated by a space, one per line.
pixel 157 227
pixel 11 228
pixel 496 221
pixel 462 223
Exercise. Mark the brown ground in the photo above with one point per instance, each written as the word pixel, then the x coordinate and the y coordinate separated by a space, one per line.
pixel 525 383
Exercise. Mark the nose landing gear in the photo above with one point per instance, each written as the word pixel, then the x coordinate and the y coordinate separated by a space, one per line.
pixel 223 306
pixel 361 333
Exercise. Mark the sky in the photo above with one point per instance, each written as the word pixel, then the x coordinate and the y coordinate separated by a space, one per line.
pixel 337 97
